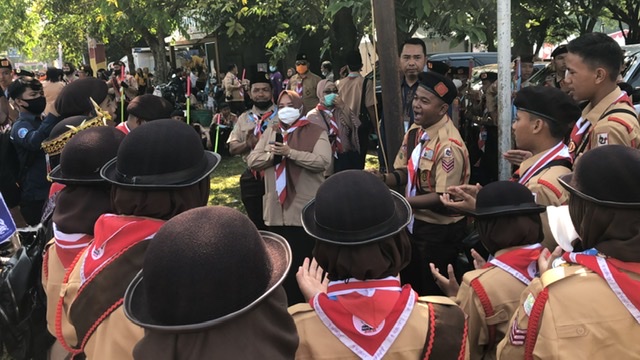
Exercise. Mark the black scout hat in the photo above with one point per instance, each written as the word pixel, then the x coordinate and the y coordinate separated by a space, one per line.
pixel 505 198
pixel 489 75
pixel 150 107
pixel 261 77
pixel 74 97
pixel 231 268
pixel 85 154
pixel 440 67
pixel 562 49
pixel 439 85
pixel 607 176
pixel 5 64
pixel 354 207
pixel 549 103
pixel 302 57
pixel 161 154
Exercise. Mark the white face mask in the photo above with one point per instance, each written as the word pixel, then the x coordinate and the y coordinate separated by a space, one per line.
pixel 288 115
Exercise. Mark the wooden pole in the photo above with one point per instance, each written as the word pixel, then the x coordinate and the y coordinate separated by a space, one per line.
pixel 385 22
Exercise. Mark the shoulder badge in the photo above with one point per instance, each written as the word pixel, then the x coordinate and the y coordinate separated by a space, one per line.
pixel 22 132
pixel 603 139
pixel 448 161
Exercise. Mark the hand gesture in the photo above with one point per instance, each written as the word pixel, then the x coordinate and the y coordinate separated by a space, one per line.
pixel 281 149
pixel 461 198
pixel 478 261
pixel 516 157
pixel 311 279
pixel 251 140
pixel 449 285
pixel 546 258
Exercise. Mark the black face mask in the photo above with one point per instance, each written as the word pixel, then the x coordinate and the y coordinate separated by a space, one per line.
pixel 263 105
pixel 36 106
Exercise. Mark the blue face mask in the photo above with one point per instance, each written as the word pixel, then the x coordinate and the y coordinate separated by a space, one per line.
pixel 273 68
pixel 329 99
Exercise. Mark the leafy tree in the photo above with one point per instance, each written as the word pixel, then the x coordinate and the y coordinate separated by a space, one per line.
pixel 627 12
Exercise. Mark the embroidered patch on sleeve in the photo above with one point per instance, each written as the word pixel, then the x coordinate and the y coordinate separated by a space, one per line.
pixel 528 304
pixel 517 336
pixel 22 133
pixel 448 164
pixel 603 139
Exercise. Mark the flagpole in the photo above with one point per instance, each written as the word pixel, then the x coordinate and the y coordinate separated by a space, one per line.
pixel 504 86
pixel 188 99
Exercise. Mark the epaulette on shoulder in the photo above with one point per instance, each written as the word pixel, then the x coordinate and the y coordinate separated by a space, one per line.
pixel 299 309
pixel 442 300
pixel 561 272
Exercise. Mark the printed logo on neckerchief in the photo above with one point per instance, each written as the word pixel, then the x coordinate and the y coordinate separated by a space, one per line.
pixel 413 168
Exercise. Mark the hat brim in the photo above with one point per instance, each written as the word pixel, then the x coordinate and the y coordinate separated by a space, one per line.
pixel 109 173
pixel 400 220
pixel 58 176
pixel 521 209
pixel 567 182
pixel 136 299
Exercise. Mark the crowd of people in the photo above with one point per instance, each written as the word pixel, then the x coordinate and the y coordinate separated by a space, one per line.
pixel 411 260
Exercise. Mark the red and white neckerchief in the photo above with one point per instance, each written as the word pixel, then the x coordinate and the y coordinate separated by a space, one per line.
pixel 366 316
pixel 299 87
pixel 583 125
pixel 520 263
pixel 281 168
pixel 123 127
pixel 623 286
pixel 114 234
pixel 558 152
pixel 413 167
pixel 336 146
pixel 69 245
pixel 261 123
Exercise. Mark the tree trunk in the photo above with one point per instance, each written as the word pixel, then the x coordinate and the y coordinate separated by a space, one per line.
pixel 343 24
pixel 157 45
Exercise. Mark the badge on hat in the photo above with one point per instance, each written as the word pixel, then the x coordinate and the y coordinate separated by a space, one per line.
pixel 603 139
pixel 441 89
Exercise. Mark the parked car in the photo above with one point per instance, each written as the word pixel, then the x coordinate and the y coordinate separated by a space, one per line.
pixel 462 59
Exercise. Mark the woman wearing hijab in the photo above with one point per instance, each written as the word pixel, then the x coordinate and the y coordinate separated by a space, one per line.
pixel 341 125
pixel 294 154
pixel 586 305
pixel 364 312
pixel 510 227
pixel 151 183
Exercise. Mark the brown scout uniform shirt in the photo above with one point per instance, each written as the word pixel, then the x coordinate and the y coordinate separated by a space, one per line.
pixel 52 275
pixel 314 165
pixel 309 89
pixel 350 89
pixel 317 342
pixel 504 292
pixel 582 319
pixel 444 151
pixel 247 122
pixel 618 128
pixel 229 80
pixel 547 191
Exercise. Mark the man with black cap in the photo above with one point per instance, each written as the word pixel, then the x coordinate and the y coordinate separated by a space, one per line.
pixel 228 304
pixel 559 54
pixel 593 64
pixel 357 93
pixel 432 158
pixel 27 135
pixel 144 108
pixel 440 67
pixel 151 182
pixel 244 137
pixel 364 312
pixel 305 83
pixel 587 304
pixel 510 228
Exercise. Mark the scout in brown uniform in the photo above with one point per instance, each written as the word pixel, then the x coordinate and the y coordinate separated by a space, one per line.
pixel 151 183
pixel 593 65
pixel 244 137
pixel 229 304
pixel 364 312
pixel 234 90
pixel 305 83
pixel 84 198
pixel 510 228
pixel 432 158
pixel 294 154
pixel 587 305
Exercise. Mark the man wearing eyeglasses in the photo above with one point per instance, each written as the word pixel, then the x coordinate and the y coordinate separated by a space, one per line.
pixel 305 83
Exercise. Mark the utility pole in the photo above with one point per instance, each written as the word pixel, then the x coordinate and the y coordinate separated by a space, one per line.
pixel 504 87
pixel 385 21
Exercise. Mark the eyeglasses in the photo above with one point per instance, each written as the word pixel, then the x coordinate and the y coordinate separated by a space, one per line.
pixel 330 91
pixel 301 63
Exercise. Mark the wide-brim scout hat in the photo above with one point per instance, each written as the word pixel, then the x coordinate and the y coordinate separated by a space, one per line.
pixel 505 198
pixel 85 154
pixel 232 267
pixel 354 207
pixel 149 107
pixel 163 153
pixel 607 176
pixel 75 98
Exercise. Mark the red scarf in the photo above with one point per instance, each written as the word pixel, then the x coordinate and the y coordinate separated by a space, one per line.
pixel 281 168
pixel 299 87
pixel 69 245
pixel 413 167
pixel 520 263
pixel 114 234
pixel 336 145
pixel 366 316
pixel 558 152
pixel 626 289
